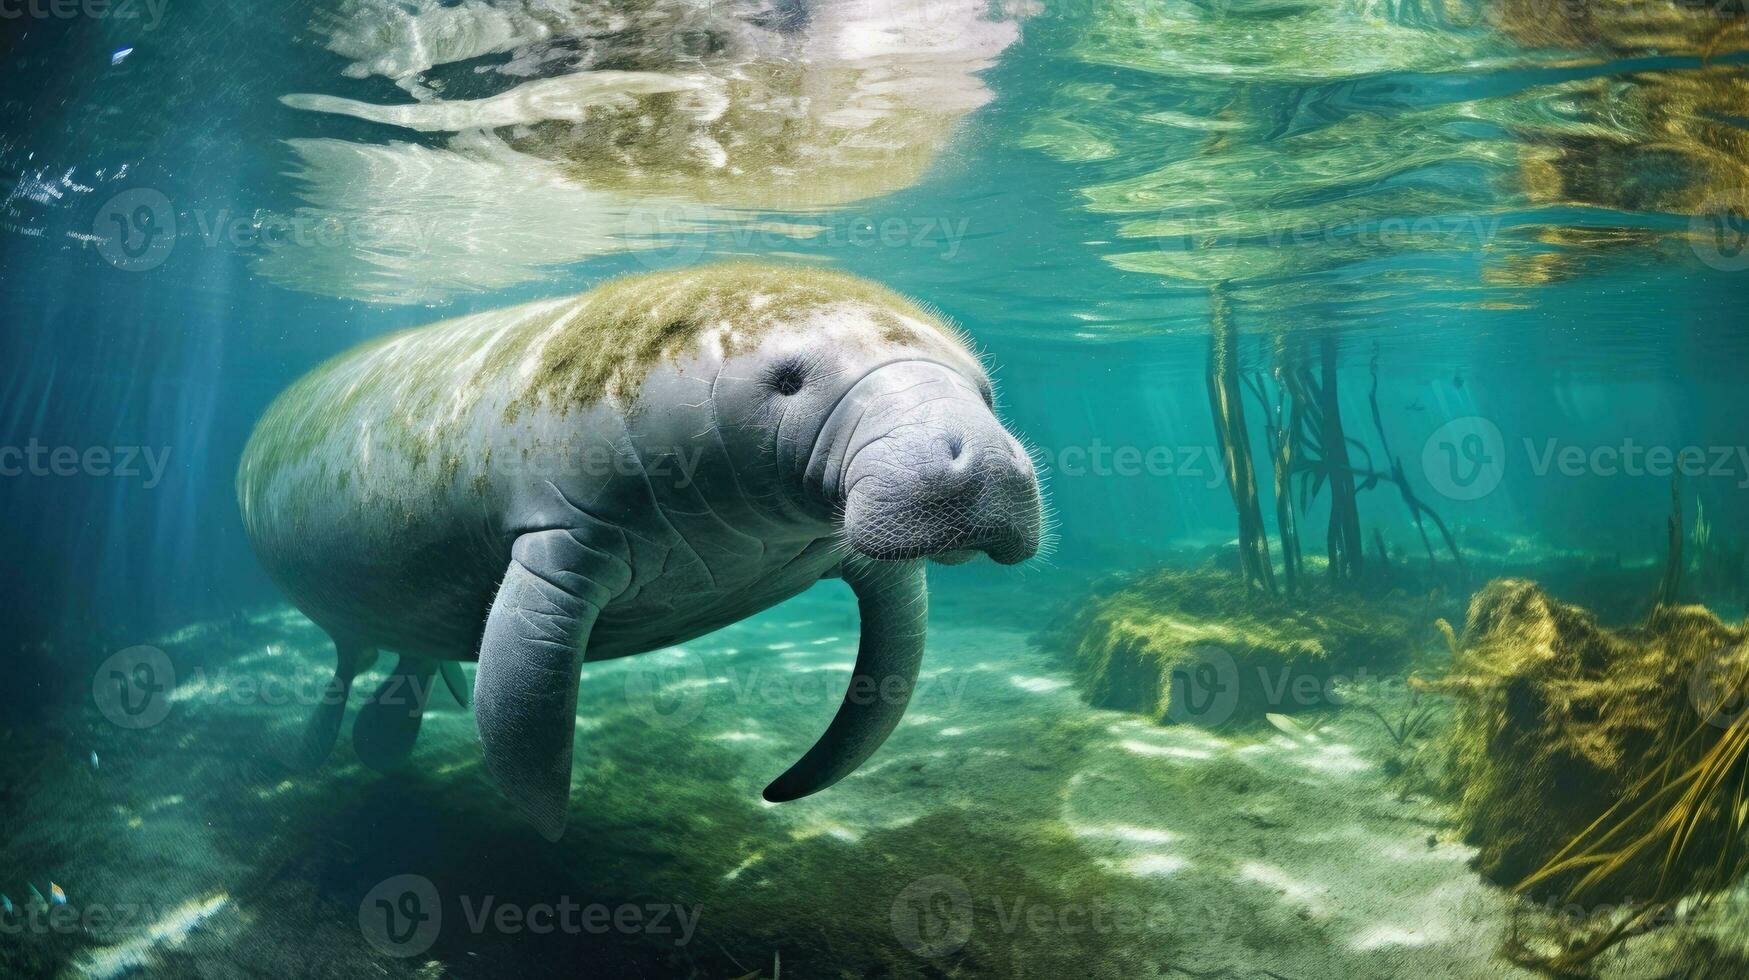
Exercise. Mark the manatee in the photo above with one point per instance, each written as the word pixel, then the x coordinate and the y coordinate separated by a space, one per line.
pixel 607 474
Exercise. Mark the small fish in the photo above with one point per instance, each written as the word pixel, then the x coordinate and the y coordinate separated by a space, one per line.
pixel 120 56
pixel 56 895
pixel 5 905
pixel 1292 727
pixel 94 759
pixel 37 902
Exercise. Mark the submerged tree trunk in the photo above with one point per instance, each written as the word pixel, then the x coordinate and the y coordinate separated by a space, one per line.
pixel 1417 509
pixel 1284 426
pixel 1227 404
pixel 1343 542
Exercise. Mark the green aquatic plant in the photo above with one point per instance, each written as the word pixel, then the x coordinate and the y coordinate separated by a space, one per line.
pixel 1411 760
pixel 1670 586
pixel 1411 724
pixel 1721 564
pixel 1600 766
pixel 1135 647
pixel 1701 564
pixel 1672 811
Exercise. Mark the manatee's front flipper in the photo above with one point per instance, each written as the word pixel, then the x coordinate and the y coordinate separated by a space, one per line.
pixel 386 727
pixel 893 600
pixel 525 691
pixel 323 726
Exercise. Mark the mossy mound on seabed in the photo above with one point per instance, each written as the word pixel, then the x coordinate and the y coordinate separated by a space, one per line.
pixel 1200 647
pixel 1599 765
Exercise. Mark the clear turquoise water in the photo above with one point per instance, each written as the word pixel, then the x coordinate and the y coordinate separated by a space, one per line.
pixel 1527 215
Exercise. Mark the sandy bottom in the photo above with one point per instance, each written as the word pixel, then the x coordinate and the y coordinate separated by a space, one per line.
pixel 1004 830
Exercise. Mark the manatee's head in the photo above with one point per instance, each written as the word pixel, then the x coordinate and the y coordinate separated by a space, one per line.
pixel 924 469
pixel 885 425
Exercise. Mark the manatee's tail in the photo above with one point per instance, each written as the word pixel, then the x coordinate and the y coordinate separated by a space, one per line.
pixel 388 724
pixel 323 727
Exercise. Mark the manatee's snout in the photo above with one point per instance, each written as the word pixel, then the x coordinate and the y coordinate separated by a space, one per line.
pixel 935 475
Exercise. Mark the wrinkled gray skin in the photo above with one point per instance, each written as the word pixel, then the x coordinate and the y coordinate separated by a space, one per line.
pixel 824 436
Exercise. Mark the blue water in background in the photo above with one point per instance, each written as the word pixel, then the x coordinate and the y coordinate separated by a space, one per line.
pixel 1505 224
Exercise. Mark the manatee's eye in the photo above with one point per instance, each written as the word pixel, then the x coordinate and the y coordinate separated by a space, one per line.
pixel 988 393
pixel 787 378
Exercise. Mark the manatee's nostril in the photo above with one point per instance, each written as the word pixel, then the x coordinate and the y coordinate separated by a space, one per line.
pixel 955 446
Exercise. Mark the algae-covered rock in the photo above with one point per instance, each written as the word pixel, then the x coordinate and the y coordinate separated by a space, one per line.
pixel 1201 647
pixel 1587 761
